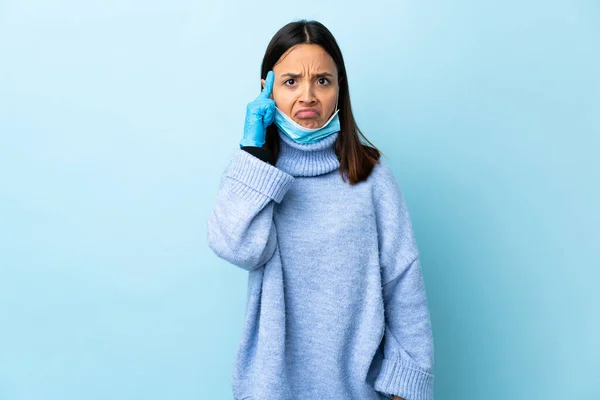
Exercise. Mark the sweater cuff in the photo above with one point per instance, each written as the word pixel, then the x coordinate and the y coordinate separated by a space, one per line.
pixel 255 179
pixel 402 380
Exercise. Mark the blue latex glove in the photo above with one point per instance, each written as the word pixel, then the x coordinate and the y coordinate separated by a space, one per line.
pixel 260 113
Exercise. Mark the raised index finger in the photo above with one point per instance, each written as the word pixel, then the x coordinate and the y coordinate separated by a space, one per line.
pixel 266 92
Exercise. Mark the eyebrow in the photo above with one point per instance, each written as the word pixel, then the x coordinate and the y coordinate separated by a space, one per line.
pixel 322 74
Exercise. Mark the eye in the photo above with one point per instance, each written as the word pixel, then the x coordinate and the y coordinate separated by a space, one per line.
pixel 289 80
pixel 328 81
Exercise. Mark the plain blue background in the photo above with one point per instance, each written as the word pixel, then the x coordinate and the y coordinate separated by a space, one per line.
pixel 118 117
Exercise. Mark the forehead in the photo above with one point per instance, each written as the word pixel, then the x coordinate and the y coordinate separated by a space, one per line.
pixel 304 57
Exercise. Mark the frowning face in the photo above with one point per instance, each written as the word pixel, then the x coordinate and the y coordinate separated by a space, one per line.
pixel 306 85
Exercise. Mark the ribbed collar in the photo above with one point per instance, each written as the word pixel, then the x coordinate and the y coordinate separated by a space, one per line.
pixel 312 159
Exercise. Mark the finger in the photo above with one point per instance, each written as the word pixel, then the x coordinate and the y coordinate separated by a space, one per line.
pixel 269 114
pixel 266 93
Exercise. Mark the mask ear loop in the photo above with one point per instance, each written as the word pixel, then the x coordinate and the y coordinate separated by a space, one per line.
pixel 336 102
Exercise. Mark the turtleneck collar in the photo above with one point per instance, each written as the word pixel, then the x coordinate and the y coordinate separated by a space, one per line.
pixel 311 159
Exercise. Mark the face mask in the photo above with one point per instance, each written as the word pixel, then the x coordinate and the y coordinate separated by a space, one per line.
pixel 303 135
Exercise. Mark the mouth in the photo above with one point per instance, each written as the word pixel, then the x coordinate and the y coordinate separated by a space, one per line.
pixel 307 114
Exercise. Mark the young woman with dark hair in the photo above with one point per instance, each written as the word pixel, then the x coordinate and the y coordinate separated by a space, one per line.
pixel 337 307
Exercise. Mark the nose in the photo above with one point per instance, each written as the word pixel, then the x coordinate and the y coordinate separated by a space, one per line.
pixel 307 94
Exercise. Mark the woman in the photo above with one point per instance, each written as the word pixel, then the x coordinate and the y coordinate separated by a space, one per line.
pixel 336 307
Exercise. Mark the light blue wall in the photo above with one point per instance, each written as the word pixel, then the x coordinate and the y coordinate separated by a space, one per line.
pixel 117 118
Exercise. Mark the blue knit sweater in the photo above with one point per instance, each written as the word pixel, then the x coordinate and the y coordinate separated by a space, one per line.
pixel 336 305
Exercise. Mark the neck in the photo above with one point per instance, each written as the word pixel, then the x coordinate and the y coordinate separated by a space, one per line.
pixel 310 159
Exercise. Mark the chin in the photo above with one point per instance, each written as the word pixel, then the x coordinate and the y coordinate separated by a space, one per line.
pixel 309 124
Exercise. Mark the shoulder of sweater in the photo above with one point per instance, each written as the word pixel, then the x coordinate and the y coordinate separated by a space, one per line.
pixel 382 174
pixel 385 184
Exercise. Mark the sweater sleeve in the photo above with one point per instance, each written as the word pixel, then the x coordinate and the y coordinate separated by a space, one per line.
pixel 407 366
pixel 240 226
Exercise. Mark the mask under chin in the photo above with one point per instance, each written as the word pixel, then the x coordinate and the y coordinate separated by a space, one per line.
pixel 301 134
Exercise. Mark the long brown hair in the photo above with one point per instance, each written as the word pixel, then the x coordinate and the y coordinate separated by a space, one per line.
pixel 356 159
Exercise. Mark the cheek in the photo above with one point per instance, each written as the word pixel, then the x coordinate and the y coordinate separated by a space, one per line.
pixel 275 95
pixel 282 101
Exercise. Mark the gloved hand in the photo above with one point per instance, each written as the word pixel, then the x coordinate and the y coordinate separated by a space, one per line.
pixel 260 113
